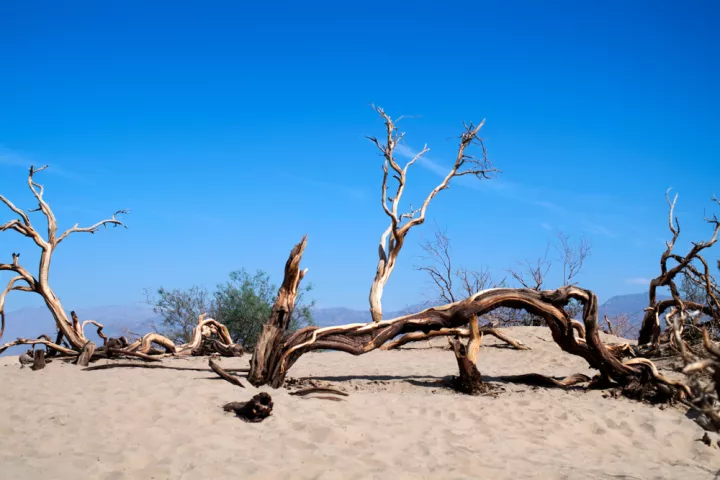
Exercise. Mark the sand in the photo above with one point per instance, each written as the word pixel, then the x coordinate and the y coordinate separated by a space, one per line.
pixel 399 422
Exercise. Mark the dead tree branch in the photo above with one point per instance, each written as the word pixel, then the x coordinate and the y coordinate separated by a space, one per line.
pixel 40 284
pixel 274 362
pixel 393 238
pixel 650 329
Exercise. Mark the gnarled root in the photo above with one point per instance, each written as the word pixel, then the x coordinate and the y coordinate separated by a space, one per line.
pixel 256 410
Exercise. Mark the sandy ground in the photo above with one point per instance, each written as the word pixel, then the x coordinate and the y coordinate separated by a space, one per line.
pixel 398 422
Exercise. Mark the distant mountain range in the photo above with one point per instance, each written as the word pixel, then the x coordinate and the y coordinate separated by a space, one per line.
pixel 32 322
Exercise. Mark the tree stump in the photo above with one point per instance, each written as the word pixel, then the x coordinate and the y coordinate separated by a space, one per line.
pixel 38 360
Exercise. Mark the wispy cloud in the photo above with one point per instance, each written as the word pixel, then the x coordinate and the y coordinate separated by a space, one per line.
pixel 637 281
pixel 12 158
pixel 546 226
pixel 597 229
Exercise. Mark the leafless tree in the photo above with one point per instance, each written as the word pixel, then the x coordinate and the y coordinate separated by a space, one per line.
pixel 621 326
pixel 691 266
pixel 393 238
pixel 451 284
pixel 572 256
pixel 72 331
pixel 533 275
pixel 71 339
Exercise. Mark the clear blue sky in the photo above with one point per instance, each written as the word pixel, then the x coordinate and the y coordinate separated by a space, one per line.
pixel 231 129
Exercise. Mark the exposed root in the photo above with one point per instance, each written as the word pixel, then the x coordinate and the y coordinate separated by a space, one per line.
pixel 256 410
pixel 309 390
pixel 325 397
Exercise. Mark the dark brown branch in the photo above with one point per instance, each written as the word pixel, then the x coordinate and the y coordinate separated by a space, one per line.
pixel 224 375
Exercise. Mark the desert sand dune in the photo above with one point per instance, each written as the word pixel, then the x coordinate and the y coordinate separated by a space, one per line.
pixel 399 422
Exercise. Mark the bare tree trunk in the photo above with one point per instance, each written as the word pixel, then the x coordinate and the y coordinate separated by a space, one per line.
pixel 265 359
pixel 392 240
pixel 40 284
pixel 470 381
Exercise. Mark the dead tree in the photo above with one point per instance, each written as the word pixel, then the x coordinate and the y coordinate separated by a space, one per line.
pixel 650 330
pixel 24 281
pixel 534 274
pixel 452 285
pixel 264 358
pixel 280 351
pixel 393 238
pixel 208 335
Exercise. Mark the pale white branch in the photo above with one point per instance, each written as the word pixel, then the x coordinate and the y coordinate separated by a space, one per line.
pixel 94 228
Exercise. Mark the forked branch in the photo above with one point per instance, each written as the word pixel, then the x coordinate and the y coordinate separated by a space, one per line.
pixel 393 238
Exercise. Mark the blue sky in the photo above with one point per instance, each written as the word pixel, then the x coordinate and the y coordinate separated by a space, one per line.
pixel 230 130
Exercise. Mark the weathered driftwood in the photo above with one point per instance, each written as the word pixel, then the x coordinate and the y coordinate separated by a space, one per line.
pixel 256 410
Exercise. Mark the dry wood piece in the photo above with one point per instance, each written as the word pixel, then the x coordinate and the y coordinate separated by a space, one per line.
pixel 225 375
pixel 26 359
pixel 309 390
pixel 455 332
pixel 38 360
pixel 86 354
pixel 256 410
